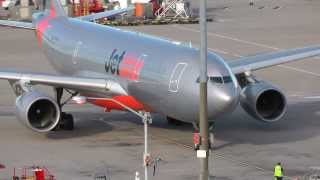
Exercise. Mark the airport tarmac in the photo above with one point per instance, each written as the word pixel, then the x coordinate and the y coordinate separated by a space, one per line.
pixel 244 148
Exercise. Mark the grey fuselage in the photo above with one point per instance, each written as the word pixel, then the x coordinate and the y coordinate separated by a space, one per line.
pixel 164 76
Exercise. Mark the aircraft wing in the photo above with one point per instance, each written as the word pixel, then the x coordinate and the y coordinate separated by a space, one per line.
pixel 261 61
pixel 68 82
pixel 105 14
pixel 17 24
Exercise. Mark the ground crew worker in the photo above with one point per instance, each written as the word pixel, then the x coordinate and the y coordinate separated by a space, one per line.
pixel 278 172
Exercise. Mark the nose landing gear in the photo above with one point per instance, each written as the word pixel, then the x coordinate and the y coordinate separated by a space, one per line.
pixel 197 138
pixel 211 126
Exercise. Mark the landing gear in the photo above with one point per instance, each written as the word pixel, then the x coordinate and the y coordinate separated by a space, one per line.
pixel 172 121
pixel 211 126
pixel 66 120
pixel 197 137
pixel 195 125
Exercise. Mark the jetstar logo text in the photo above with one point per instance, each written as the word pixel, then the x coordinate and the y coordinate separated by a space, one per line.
pixel 113 63
pixel 125 65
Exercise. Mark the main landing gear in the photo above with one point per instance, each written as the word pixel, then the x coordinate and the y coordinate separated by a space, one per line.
pixel 66 120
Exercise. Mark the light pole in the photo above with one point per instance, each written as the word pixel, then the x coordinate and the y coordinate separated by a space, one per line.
pixel 203 112
pixel 146 157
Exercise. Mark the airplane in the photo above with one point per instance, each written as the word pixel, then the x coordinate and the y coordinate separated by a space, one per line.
pixel 118 69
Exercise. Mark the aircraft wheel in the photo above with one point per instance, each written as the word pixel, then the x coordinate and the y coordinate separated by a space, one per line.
pixel 67 122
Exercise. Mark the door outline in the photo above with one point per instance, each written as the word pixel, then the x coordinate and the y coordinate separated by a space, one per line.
pixel 176 76
pixel 76 52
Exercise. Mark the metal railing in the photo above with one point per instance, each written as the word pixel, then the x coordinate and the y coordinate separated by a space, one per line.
pixel 175 6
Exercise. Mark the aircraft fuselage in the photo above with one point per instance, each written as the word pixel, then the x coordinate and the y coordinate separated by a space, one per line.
pixel 159 75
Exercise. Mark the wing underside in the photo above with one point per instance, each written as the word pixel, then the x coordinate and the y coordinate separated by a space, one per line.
pixel 261 61
pixel 69 82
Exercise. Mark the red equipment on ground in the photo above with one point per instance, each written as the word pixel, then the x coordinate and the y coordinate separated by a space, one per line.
pixel 86 7
pixel 95 6
pixel 155 5
pixel 34 173
pixel 39 173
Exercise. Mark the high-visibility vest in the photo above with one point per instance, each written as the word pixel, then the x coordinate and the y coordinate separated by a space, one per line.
pixel 278 171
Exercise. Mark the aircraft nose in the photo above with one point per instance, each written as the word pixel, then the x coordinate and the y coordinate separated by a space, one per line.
pixel 223 88
pixel 222 99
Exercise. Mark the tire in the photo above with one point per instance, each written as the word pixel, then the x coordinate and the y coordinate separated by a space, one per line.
pixel 68 122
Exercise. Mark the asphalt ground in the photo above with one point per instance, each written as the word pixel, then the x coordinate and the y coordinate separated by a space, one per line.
pixel 244 148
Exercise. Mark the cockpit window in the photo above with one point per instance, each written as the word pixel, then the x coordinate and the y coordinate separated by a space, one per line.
pixel 218 79
pixel 227 79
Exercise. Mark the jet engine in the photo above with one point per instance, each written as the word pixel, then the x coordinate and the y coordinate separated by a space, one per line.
pixel 38 111
pixel 263 101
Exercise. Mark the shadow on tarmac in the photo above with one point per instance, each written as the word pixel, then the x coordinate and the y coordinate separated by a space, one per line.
pixel 302 121
pixel 85 125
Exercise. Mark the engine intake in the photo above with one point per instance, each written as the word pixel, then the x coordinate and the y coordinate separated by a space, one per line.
pixel 263 101
pixel 38 111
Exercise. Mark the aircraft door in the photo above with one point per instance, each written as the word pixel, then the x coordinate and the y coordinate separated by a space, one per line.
pixel 76 53
pixel 176 76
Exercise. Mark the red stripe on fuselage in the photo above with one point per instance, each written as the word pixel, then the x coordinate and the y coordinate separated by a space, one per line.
pixel 131 67
pixel 129 101
pixel 43 24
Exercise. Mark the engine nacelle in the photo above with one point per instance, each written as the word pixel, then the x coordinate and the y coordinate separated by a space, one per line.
pixel 38 111
pixel 263 101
